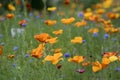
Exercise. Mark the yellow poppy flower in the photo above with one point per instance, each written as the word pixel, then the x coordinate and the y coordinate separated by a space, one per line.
pixel 113 58
pixel 51 8
pixel 77 40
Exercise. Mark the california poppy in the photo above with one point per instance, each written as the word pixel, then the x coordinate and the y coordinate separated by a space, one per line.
pixel 77 40
pixel 1 50
pixel 10 16
pixel 58 32
pixel 77 59
pixel 96 66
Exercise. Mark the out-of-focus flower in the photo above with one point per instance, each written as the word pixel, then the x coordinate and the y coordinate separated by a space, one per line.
pixel 84 41
pixel 79 24
pixel 80 70
pixel 14 65
pixel 11 56
pixel 11 7
pixel 1 50
pixel 77 40
pixel 54 59
pixel 88 14
pixel 22 23
pixel 50 22
pixel 59 66
pixel 80 14
pixel 86 63
pixel 100 11
pixel 15 48
pixel 66 2
pixel 96 66
pixel 52 40
pixel 0 4
pixel 10 16
pixel 42 37
pixel 1 35
pixel 117 69
pixel 105 62
pixel 58 50
pixel 109 54
pixel 106 36
pixel 51 8
pixel 68 20
pixel 95 34
pixel 113 58
pixel 94 30
pixel 77 59
pixel 112 15
pixel 58 32
pixel 107 3
pixel 38 52
pixel 66 55
pixel 26 55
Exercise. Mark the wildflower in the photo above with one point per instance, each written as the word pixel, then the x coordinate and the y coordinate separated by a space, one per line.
pixel 68 21
pixel 109 54
pixel 117 69
pixel 88 14
pixel 66 55
pixel 52 40
pixel 94 30
pixel 105 62
pixel 95 34
pixel 50 22
pixel 106 36
pixel 11 56
pixel 111 15
pixel 54 59
pixel 100 11
pixel 11 7
pixel 58 50
pixel 58 32
pixel 66 2
pixel 42 37
pixel 14 65
pixel 77 40
pixel 1 50
pixel 22 23
pixel 1 35
pixel 96 66
pixel 76 59
pixel 86 63
pixel 38 52
pixel 26 55
pixel 15 48
pixel 51 8
pixel 79 24
pixel 80 70
pixel 84 41
pixel 10 16
pixel 59 66
pixel 113 58
pixel 80 14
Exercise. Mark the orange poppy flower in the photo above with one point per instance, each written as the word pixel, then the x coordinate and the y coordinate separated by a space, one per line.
pixel 54 59
pixel 79 24
pixel 58 50
pixel 94 30
pixel 86 63
pixel 77 59
pixel 11 56
pixel 109 54
pixel 1 50
pixel 38 52
pixel 105 62
pixel 100 11
pixel 22 22
pixel 77 40
pixel 118 58
pixel 66 2
pixel 68 21
pixel 50 22
pixel 42 37
pixel 88 14
pixel 96 66
pixel 111 15
pixel 10 16
pixel 58 32
pixel 52 40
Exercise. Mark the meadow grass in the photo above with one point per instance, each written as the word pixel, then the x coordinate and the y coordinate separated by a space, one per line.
pixel 25 67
